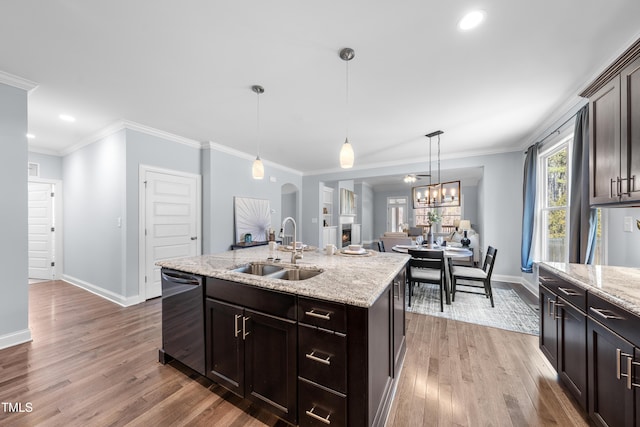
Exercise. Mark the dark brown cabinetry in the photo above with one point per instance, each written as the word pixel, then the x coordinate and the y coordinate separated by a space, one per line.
pixel 322 362
pixel 613 337
pixel 614 131
pixel 312 362
pixel 250 349
pixel 563 326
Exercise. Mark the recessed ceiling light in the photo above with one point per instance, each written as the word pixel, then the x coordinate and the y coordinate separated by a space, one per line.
pixel 471 20
pixel 67 118
pixel 30 136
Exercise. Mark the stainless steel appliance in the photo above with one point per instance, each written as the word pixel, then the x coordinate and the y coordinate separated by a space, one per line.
pixel 183 319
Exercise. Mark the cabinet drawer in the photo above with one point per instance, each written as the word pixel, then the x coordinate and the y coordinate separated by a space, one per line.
pixel 325 314
pixel 619 320
pixel 322 357
pixel 263 300
pixel 318 406
pixel 569 292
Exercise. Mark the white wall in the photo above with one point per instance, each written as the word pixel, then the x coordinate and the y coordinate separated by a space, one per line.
pixel 14 297
pixel 226 175
pixel 94 198
pixel 50 166
pixel 366 212
pixel 623 248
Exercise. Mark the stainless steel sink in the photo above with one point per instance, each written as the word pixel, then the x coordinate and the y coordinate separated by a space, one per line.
pixel 277 271
pixel 295 274
pixel 258 269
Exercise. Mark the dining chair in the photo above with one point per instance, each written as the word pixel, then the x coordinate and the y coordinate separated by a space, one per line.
pixel 380 246
pixel 474 274
pixel 426 266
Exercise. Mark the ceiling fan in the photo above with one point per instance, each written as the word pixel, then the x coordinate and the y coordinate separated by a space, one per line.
pixel 413 177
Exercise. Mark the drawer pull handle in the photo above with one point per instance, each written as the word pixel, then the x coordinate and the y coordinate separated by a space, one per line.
pixel 317 417
pixel 570 292
pixel 315 358
pixel 608 315
pixel 323 316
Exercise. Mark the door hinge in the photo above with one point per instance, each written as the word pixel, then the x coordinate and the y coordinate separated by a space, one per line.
pixel 52 194
pixel 145 279
pixel 53 229
pixel 53 264
pixel 145 231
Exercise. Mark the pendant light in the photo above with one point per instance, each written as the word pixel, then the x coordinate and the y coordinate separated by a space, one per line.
pixel 257 170
pixel 346 152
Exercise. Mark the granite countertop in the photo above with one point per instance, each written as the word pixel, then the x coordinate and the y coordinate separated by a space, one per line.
pixel 353 280
pixel 618 285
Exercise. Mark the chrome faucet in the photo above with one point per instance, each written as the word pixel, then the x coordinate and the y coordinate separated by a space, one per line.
pixel 294 255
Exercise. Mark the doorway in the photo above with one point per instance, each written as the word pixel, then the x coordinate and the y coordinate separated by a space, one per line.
pixel 170 206
pixel 45 229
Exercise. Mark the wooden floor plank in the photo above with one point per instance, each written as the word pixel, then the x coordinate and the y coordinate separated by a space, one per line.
pixel 92 362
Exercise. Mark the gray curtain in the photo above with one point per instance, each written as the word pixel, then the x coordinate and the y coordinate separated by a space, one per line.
pixel 583 221
pixel 528 208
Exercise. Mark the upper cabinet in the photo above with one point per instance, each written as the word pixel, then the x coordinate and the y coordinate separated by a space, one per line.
pixel 614 131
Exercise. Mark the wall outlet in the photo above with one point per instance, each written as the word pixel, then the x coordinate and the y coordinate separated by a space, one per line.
pixel 628 224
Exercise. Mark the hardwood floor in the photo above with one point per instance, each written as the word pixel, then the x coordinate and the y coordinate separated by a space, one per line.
pixel 93 363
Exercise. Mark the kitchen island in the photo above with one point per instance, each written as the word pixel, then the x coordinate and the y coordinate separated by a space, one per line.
pixel 321 350
pixel 590 333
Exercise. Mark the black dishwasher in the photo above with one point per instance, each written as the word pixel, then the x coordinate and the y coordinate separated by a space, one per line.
pixel 183 319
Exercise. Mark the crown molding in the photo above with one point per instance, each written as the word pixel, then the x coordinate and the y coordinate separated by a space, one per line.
pixel 101 134
pixel 615 66
pixel 241 154
pixel 41 150
pixel 161 134
pixel 19 82
pixel 396 163
pixel 129 125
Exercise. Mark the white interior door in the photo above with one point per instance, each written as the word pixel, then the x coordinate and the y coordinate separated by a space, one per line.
pixel 41 231
pixel 172 222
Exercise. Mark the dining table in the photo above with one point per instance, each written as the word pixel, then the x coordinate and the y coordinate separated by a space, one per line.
pixel 450 252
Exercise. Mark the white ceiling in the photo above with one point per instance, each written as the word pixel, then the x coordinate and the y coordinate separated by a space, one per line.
pixel 187 68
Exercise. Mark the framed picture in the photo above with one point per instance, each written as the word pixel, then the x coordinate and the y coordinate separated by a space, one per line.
pixel 347 202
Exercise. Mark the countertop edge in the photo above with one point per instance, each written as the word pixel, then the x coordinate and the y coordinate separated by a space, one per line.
pixel 622 301
pixel 194 265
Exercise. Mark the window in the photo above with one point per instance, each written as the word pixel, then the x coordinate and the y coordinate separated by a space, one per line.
pixel 554 169
pixel 396 213
pixel 554 219
pixel 449 215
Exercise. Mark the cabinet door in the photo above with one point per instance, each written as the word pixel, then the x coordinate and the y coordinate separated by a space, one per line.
pixel 225 348
pixel 548 326
pixel 630 130
pixel 572 350
pixel 270 363
pixel 398 320
pixel 610 402
pixel 604 143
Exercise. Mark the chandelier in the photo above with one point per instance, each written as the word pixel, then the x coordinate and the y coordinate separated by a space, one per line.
pixel 439 194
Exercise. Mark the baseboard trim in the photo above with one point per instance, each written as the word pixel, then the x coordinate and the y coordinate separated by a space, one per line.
pixel 15 338
pixel 516 279
pixel 101 292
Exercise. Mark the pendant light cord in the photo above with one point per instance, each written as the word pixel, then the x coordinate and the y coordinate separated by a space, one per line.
pixel 347 99
pixel 258 122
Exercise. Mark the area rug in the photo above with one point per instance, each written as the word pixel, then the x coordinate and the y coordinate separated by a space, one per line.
pixel 510 311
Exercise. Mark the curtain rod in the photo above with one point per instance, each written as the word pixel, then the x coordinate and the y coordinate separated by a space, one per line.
pixel 556 130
